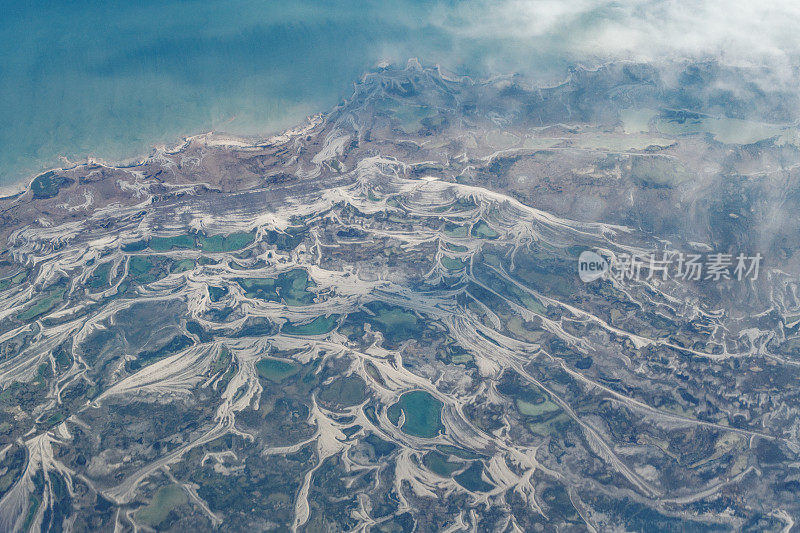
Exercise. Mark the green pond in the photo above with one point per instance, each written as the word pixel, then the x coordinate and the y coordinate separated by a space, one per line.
pixel 423 414
pixel 395 323
pixel 318 326
pixel 451 263
pixel 164 501
pixel 439 464
pixel 276 370
pixel 207 243
pixel 471 478
pixel 45 303
pixel 99 277
pixel 161 244
pixel 224 243
pixel 483 231
pixel 290 287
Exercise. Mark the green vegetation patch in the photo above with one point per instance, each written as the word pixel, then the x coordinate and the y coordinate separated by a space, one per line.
pixel 12 466
pixel 33 506
pixel 346 391
pixel 409 117
pixel 259 288
pixel 536 409
pixel 221 362
pixel 544 417
pixel 99 277
pixel 16 279
pixel 147 269
pixel 293 287
pixel 62 358
pixel 61 504
pixel 222 384
pixel 184 265
pixel 176 344
pixel 48 184
pixel 555 425
pixel 138 266
pixel 217 293
pixel 462 359
pixel 454 353
pixel 455 247
pixel 508 289
pixel 423 414
pixel 53 296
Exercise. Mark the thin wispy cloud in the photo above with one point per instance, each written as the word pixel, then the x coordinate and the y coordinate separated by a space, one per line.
pixel 737 33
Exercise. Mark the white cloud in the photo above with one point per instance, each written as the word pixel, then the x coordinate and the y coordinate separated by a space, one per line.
pixel 735 32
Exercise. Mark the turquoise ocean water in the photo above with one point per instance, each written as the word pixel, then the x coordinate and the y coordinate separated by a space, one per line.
pixel 112 79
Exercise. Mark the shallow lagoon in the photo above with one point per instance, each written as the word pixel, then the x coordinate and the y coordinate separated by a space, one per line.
pixel 423 414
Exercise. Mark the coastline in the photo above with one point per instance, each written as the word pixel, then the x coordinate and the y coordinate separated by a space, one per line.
pixel 211 138
pixel 13 189
pixel 222 138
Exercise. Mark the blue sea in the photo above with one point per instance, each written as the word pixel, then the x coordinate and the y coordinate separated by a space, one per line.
pixel 112 79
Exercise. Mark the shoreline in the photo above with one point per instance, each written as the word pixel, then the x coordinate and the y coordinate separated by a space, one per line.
pixel 18 187
pixel 245 140
pixel 216 138
pixel 211 138
pixel 221 138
